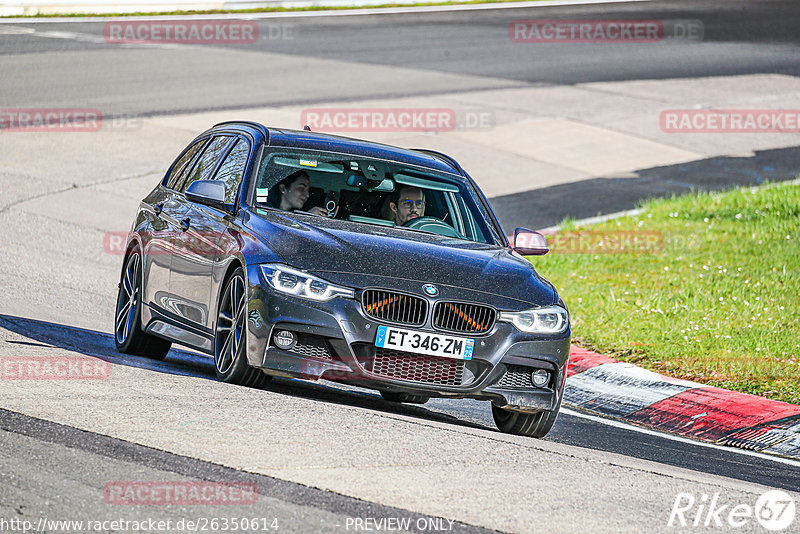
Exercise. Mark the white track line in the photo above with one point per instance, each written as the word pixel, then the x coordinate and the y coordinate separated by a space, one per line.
pixel 331 13
pixel 627 426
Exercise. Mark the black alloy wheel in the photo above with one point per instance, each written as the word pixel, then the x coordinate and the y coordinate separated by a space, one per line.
pixel 128 334
pixel 230 360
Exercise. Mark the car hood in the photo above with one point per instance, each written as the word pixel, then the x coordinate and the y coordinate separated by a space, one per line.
pixel 358 254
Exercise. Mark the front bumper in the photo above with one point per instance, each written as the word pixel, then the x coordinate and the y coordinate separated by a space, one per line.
pixel 336 342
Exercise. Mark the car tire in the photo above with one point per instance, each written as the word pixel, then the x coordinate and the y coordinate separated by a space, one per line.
pixel 128 334
pixel 230 336
pixel 394 396
pixel 535 425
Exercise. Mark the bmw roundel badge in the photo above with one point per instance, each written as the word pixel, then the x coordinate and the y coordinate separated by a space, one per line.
pixel 430 290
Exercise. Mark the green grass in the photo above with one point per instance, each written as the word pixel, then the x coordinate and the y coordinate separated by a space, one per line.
pixel 263 9
pixel 716 302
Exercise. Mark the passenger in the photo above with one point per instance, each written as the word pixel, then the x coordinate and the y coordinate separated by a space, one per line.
pixel 407 203
pixel 291 193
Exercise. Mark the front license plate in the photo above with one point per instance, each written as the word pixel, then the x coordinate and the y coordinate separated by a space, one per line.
pixel 428 343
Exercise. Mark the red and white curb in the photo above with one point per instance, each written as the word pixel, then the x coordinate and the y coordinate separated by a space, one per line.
pixel 624 391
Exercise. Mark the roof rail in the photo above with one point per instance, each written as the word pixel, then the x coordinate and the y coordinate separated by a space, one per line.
pixel 444 157
pixel 260 127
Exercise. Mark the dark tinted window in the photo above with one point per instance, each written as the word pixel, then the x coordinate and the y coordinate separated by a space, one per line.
pixel 232 169
pixel 207 162
pixel 182 166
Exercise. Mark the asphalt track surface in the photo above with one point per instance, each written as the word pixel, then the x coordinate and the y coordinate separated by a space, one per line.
pixel 739 38
pixel 308 60
pixel 570 429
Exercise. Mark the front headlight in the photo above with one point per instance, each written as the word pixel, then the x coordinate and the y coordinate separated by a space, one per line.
pixel 546 320
pixel 294 282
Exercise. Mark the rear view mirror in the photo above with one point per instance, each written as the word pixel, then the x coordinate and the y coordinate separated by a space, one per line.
pixel 356 180
pixel 529 243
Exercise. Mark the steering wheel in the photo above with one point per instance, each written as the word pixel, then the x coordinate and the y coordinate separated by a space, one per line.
pixel 432 224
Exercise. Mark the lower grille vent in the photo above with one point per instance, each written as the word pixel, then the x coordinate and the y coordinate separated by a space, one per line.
pixel 516 376
pixel 416 368
pixel 310 346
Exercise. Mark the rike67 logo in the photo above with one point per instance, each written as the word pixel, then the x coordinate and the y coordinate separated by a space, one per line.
pixel 774 510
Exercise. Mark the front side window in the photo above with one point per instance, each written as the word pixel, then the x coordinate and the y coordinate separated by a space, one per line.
pixel 372 192
pixel 232 169
pixel 208 161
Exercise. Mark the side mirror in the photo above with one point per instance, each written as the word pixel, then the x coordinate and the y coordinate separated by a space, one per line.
pixel 529 243
pixel 208 192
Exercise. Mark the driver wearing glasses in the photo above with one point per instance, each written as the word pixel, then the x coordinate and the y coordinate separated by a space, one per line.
pixel 407 203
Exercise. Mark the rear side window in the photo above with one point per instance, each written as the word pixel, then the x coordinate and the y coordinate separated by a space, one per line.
pixel 183 165
pixel 208 161
pixel 232 169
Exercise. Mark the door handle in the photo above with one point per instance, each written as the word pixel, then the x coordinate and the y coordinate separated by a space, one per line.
pixel 185 223
pixel 157 209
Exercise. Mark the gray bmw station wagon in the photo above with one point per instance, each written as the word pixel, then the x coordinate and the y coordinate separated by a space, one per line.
pixel 298 254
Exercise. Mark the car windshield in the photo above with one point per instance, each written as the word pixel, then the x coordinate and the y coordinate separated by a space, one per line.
pixel 372 192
